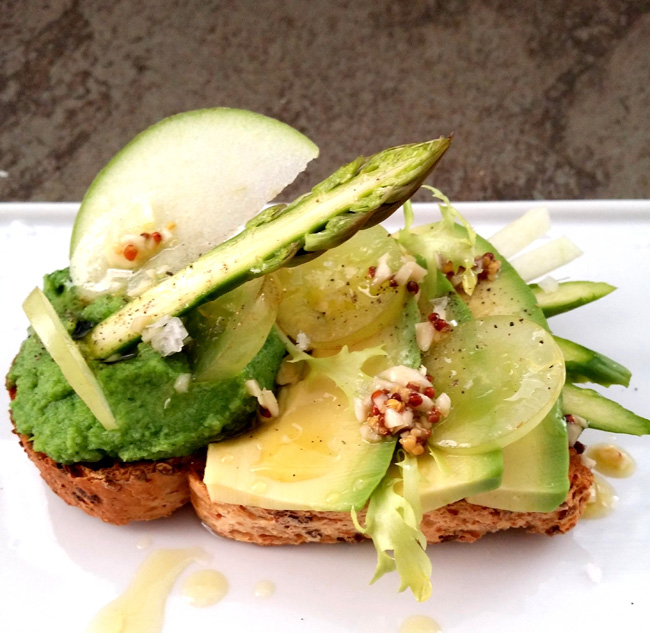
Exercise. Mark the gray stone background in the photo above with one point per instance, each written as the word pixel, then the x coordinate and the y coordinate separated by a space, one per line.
pixel 547 99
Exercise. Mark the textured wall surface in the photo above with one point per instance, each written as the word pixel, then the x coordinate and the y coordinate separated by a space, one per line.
pixel 547 99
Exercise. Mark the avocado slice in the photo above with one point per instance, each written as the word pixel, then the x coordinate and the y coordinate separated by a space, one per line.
pixel 508 294
pixel 535 466
pixel 310 458
pixel 445 478
pixel 313 456
pixel 535 474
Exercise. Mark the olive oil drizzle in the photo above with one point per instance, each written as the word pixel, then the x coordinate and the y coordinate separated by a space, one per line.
pixel 264 589
pixel 205 588
pixel 604 500
pixel 140 609
pixel 419 624
pixel 612 460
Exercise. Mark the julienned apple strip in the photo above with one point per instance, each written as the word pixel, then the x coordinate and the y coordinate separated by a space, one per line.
pixel 358 195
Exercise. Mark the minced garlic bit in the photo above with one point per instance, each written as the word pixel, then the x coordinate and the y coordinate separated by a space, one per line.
pixel 182 383
pixel 485 266
pixel 382 271
pixel 431 331
pixel 131 250
pixel 302 342
pixel 548 284
pixel 166 335
pixel 403 403
pixel 575 425
pixel 265 397
pixel 410 273
pixel 590 464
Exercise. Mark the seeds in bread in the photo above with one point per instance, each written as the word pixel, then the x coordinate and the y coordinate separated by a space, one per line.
pixel 460 521
pixel 120 492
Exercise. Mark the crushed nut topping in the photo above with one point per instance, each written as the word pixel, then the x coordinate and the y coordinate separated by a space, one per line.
pixel 410 274
pixel 486 267
pixel 131 250
pixel 401 404
pixel 431 331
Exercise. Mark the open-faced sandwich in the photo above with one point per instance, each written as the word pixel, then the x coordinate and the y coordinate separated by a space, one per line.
pixel 297 372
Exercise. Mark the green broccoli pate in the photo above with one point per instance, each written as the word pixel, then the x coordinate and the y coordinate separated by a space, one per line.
pixel 155 420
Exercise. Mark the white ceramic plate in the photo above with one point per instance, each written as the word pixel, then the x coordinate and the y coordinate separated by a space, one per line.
pixel 58 567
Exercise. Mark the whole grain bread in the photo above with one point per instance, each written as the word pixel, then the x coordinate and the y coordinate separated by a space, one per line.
pixel 117 492
pixel 460 521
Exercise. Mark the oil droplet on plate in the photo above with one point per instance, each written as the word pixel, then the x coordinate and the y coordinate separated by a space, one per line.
pixel 264 589
pixel 603 501
pixel 141 608
pixel 144 542
pixel 205 588
pixel 419 624
pixel 612 460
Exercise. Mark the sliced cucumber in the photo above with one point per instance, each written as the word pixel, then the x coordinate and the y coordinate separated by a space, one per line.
pixel 585 365
pixel 570 295
pixel 398 341
pixel 602 413
pixel 229 332
pixel 535 470
pixel 333 300
pixel 195 179
pixel 66 355
pixel 503 375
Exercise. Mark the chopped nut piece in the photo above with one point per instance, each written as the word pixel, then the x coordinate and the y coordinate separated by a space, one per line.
pixel 400 406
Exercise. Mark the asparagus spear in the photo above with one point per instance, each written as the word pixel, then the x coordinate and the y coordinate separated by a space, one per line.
pixel 358 195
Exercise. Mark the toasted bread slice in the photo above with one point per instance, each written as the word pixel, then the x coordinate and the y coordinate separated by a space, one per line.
pixel 460 521
pixel 118 492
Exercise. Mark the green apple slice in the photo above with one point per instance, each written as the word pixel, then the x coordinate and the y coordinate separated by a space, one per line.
pixel 66 355
pixel 177 190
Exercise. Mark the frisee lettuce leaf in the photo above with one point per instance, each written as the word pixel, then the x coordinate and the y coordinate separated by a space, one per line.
pixel 440 243
pixel 344 367
pixel 393 522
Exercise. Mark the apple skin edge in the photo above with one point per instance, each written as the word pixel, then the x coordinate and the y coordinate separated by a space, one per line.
pixel 359 194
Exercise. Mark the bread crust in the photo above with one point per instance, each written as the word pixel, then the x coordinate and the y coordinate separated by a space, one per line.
pixel 120 492
pixel 460 521
pixel 146 490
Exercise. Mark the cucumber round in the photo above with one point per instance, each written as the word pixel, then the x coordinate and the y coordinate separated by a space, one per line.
pixel 334 301
pixel 229 331
pixel 194 179
pixel 503 374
